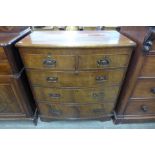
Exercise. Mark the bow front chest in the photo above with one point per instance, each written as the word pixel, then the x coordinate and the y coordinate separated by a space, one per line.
pixel 75 74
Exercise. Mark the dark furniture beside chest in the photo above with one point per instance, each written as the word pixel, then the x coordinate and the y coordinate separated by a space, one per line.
pixel 137 98
pixel 74 74
pixel 16 101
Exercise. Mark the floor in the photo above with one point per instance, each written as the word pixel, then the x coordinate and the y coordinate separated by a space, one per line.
pixel 72 125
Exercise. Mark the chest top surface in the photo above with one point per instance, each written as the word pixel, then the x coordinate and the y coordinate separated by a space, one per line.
pixel 61 39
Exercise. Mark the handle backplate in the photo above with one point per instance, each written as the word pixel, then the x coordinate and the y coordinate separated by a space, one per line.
pixel 49 62
pixel 101 78
pixel 98 95
pixel 103 62
pixel 55 96
pixel 52 79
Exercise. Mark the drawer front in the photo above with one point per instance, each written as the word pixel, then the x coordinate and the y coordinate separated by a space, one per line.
pixel 2 53
pixel 140 107
pixel 100 61
pixel 5 67
pixel 144 89
pixel 52 62
pixel 148 67
pixel 60 112
pixel 76 79
pixel 86 95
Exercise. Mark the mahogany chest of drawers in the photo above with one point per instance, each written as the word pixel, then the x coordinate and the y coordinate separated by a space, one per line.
pixel 16 101
pixel 137 98
pixel 73 74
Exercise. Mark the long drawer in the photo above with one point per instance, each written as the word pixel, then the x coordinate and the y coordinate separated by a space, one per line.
pixel 74 62
pixel 140 107
pixel 148 68
pixel 82 111
pixel 85 95
pixel 76 79
pixel 145 88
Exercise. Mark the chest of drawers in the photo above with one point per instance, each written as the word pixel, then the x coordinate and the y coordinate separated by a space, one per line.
pixel 16 100
pixel 75 75
pixel 137 98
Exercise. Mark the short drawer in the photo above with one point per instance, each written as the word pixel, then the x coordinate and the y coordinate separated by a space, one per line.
pixel 76 79
pixel 2 53
pixel 100 61
pixel 85 95
pixel 140 107
pixel 148 69
pixel 52 62
pixel 83 111
pixel 5 67
pixel 145 88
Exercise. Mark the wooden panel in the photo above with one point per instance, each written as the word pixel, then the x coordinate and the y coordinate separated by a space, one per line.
pixel 2 54
pixel 148 69
pixel 5 67
pixel 86 95
pixel 140 107
pixel 9 103
pixel 52 62
pixel 144 89
pixel 61 112
pixel 75 39
pixel 76 79
pixel 100 61
pixel 15 97
pixel 76 51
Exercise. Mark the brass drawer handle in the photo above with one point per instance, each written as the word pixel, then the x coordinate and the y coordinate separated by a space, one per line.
pixel 49 62
pixel 98 111
pixel 55 112
pixel 144 108
pixel 55 96
pixel 153 90
pixel 101 78
pixel 52 79
pixel 98 95
pixel 103 62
